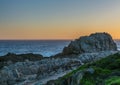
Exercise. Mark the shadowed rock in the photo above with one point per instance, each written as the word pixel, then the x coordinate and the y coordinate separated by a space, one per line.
pixel 21 57
pixel 12 58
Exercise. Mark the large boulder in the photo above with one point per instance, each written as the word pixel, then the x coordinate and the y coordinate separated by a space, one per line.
pixel 93 43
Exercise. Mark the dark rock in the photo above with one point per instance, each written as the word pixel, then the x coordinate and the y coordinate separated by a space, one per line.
pixel 21 57
pixel 93 43
pixel 90 70
pixel 13 58
pixel 52 82
pixel 55 65
pixel 11 82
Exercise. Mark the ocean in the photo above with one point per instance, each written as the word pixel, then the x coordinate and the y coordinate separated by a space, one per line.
pixel 44 47
pixel 118 44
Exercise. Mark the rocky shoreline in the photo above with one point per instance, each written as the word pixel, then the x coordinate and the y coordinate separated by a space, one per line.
pixel 31 69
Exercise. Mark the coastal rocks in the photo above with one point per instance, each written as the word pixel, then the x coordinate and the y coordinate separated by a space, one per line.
pixel 42 71
pixel 11 58
pixel 102 72
pixel 73 79
pixel 32 69
pixel 93 43
pixel 20 57
pixel 17 72
pixel 20 72
pixel 91 57
pixel 56 66
pixel 81 59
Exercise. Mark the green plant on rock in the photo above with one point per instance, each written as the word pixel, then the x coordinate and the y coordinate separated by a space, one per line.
pixel 106 72
pixel 113 81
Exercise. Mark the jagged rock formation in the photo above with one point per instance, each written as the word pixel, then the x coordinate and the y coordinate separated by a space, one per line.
pixel 93 43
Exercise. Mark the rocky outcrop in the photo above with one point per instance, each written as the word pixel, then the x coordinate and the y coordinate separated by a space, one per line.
pixel 69 63
pixel 32 69
pixel 105 71
pixel 20 57
pixel 73 79
pixel 29 71
pixel 93 43
pixel 11 58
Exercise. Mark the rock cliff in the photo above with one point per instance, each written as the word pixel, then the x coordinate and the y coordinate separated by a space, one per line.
pixel 93 43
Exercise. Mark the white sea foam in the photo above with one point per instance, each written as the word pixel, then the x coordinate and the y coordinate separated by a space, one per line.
pixel 45 47
pixel 118 44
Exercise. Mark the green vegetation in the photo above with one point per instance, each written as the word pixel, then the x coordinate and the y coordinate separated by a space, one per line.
pixel 106 72
pixel 113 81
pixel 105 69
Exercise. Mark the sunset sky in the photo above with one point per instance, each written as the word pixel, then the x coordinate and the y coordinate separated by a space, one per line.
pixel 58 19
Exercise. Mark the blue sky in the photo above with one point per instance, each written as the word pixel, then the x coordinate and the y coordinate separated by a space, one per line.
pixel 49 18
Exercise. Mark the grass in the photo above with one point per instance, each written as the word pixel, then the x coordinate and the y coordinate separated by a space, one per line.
pixel 113 81
pixel 106 72
pixel 97 77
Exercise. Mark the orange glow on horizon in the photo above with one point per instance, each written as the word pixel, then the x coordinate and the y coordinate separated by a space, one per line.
pixel 61 19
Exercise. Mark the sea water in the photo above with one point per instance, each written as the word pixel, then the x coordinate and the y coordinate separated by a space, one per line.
pixel 118 44
pixel 44 47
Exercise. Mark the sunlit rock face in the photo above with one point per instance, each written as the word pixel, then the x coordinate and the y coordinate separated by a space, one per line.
pixel 93 43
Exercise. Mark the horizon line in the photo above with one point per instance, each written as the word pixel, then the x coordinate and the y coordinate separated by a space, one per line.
pixel 45 39
pixel 36 39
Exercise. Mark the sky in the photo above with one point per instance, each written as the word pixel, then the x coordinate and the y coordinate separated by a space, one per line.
pixel 58 19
